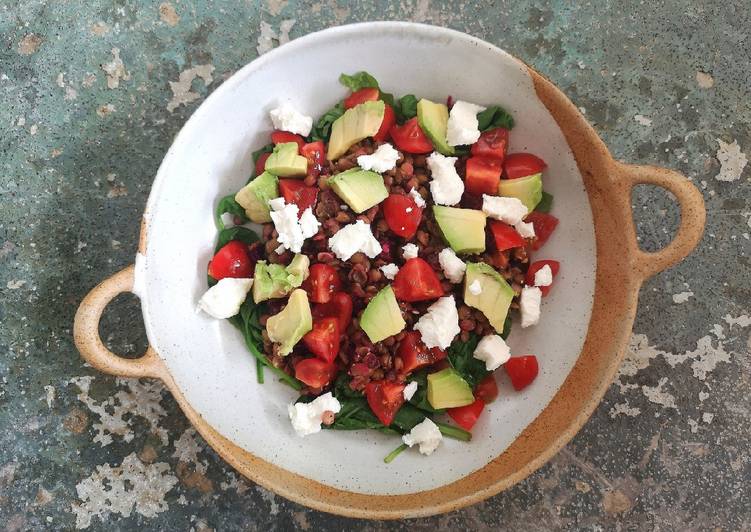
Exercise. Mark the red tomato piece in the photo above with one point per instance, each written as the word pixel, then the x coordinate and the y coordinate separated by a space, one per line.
pixel 315 153
pixel 487 389
pixel 314 372
pixel 505 236
pixel 339 306
pixel 416 281
pixel 522 164
pixel 232 260
pixel 282 137
pixel 410 138
pixel 297 192
pixel 535 266
pixel 261 163
pixel 466 416
pixel 323 339
pixel 415 354
pixel 402 215
pixel 322 282
pixel 389 119
pixel 544 225
pixel 368 94
pixel 483 176
pixel 385 399
pixel 492 143
pixel 522 370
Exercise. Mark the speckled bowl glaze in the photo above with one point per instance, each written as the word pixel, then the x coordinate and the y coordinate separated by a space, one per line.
pixel 586 320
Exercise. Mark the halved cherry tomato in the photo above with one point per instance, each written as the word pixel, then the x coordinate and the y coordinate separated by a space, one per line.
pixel 466 416
pixel 487 389
pixel 385 399
pixel 281 137
pixel 544 225
pixel 415 354
pixel 389 119
pixel 368 94
pixel 483 176
pixel 323 339
pixel 410 138
pixel 315 153
pixel 492 143
pixel 261 163
pixel 535 266
pixel 295 191
pixel 322 282
pixel 505 236
pixel 416 281
pixel 232 260
pixel 521 165
pixel 522 370
pixel 402 215
pixel 314 372
pixel 339 307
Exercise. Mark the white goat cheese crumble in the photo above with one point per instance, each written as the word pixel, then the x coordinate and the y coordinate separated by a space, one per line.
pixel 381 160
pixel 440 324
pixel 287 118
pixel 529 304
pixel 425 434
pixel 353 238
pixel 453 267
pixel 462 127
pixel 492 350
pixel 223 300
pixel 446 186
pixel 306 418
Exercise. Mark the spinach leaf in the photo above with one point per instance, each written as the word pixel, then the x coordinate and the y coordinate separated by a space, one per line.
pixel 243 234
pixel 342 389
pixel 387 98
pixel 322 128
pixel 228 205
pixel 494 116
pixel 406 107
pixel 356 415
pixel 420 399
pixel 460 357
pixel 266 149
pixel 546 203
pixel 358 81
pixel 247 322
pixel 506 327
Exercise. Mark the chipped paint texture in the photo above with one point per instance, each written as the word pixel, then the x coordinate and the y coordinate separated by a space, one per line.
pixel 181 93
pixel 122 489
pixel 732 161
pixel 117 413
pixel 93 92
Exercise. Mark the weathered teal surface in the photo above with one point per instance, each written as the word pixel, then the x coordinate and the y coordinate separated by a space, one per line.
pixel 663 82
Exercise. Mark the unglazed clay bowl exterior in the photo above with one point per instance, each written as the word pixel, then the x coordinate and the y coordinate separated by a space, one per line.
pixel 580 341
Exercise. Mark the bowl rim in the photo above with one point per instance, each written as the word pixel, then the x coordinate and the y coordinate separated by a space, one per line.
pixel 608 184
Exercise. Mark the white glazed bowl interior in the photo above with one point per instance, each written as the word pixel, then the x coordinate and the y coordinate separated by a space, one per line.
pixel 211 157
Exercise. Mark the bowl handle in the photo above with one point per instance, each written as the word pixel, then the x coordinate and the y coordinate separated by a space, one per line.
pixel 693 216
pixel 89 343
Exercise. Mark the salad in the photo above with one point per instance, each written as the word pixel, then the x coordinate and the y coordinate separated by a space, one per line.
pixel 394 251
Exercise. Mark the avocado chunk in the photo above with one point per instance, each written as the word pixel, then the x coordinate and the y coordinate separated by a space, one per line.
pixel 291 324
pixel 254 197
pixel 382 317
pixel 360 122
pixel 272 281
pixel 284 161
pixel 494 297
pixel 463 229
pixel 433 119
pixel 360 189
pixel 300 266
pixel 447 389
pixel 527 189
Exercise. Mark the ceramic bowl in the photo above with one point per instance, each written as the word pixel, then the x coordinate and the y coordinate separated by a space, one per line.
pixel 586 320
